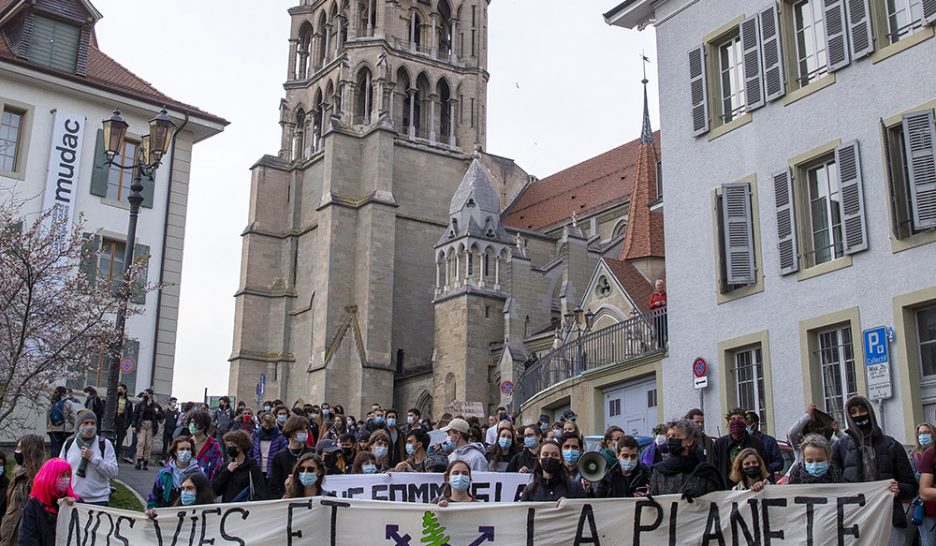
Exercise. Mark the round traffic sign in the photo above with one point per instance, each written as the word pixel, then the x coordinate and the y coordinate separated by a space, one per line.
pixel 699 367
pixel 507 387
pixel 127 365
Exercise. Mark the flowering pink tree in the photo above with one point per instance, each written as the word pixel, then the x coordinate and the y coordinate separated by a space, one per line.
pixel 52 319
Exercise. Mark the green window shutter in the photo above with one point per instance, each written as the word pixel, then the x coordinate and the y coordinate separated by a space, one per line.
pixel 739 234
pixel 774 81
pixel 140 252
pixel 920 141
pixel 786 223
pixel 149 187
pixel 859 29
pixel 101 171
pixel 698 91
pixel 54 44
pixel 751 55
pixel 89 256
pixel 851 202
pixel 929 11
pixel 835 34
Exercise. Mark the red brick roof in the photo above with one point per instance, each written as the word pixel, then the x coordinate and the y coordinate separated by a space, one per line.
pixel 644 236
pixel 634 283
pixel 587 187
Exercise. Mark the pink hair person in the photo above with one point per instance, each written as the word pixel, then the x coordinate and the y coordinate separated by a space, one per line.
pixel 44 489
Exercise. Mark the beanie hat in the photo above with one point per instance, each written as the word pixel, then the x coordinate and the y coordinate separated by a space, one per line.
pixel 86 415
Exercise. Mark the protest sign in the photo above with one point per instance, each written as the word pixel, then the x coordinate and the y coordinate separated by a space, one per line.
pixel 843 514
pixel 423 487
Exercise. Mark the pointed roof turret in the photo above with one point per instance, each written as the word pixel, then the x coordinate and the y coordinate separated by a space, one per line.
pixel 475 189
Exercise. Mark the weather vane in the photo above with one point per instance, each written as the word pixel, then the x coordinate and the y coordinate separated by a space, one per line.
pixel 645 61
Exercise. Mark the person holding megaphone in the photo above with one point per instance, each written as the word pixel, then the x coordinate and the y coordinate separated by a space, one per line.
pixel 627 477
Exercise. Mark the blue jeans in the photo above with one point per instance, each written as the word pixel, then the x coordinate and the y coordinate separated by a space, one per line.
pixel 928 532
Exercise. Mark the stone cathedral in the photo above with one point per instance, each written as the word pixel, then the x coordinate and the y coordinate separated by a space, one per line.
pixel 387 257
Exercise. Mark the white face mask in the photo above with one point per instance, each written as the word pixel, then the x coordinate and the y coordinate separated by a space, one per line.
pixel 61 485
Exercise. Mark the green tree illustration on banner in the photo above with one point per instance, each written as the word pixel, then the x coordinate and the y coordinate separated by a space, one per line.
pixel 433 532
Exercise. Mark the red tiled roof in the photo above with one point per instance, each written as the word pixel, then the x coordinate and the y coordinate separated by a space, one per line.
pixel 644 235
pixel 586 187
pixel 635 284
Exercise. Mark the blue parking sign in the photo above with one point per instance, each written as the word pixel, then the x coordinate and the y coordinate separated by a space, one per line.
pixel 875 346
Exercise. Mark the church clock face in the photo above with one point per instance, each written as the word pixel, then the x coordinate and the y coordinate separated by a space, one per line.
pixel 603 289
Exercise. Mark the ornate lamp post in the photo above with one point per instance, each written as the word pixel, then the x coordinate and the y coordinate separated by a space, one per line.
pixel 151 151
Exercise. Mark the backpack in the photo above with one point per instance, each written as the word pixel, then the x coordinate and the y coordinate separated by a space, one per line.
pixel 70 441
pixel 57 415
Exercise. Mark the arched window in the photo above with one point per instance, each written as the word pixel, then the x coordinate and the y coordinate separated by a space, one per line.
pixel 365 96
pixel 321 32
pixel 421 118
pixel 298 133
pixel 447 110
pixel 415 31
pixel 303 52
pixel 450 391
pixel 315 131
pixel 444 30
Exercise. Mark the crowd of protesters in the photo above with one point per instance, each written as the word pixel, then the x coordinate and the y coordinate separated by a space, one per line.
pixel 236 454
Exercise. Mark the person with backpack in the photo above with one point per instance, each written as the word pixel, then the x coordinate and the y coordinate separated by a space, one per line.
pixel 60 420
pixel 93 402
pixel 93 461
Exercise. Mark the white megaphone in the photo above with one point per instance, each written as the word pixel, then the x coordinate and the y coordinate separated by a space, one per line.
pixel 592 466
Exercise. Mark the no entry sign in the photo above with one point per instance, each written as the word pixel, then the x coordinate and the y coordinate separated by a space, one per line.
pixel 699 367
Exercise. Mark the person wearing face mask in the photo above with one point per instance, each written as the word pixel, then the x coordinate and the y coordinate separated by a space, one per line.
pixel 627 477
pixel 170 422
pixel 924 441
pixel 728 446
pixel 749 471
pixel 491 434
pixel 772 456
pixel 551 480
pixel 207 450
pixel 146 419
pixel 413 417
pixel 655 452
pixel 416 443
pixel 365 463
pixel 683 472
pixel 123 421
pixel 240 480
pixel 571 445
pixel 456 485
pixel 397 438
pixel 460 449
pixel 29 455
pixel 52 483
pixel 608 444
pixel 267 442
pixel 866 454
pixel 330 453
pixel 379 445
pixel 168 484
pixel 93 461
pixel 376 420
pixel 348 452
pixel 93 402
pixel 708 443
pixel 222 417
pixel 525 460
pixel 195 491
pixel 815 466
pixel 307 478
pixel 503 450
pixel 296 431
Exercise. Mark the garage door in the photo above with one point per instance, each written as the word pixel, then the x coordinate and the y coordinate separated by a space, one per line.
pixel 631 406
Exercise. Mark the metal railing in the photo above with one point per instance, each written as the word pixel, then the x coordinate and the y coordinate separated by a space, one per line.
pixel 633 338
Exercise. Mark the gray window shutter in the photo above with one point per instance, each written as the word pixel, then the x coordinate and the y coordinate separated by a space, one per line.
pixel 751 54
pixel 774 81
pixel 140 253
pixel 851 202
pixel 739 234
pixel 149 187
pixel 859 29
pixel 836 35
pixel 920 141
pixel 929 11
pixel 786 222
pixel 698 91
pixel 101 171
pixel 90 247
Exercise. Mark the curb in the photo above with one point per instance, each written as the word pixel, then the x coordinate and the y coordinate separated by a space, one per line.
pixel 139 497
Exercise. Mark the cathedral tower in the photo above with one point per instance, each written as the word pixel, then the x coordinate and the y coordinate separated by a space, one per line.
pixel 385 102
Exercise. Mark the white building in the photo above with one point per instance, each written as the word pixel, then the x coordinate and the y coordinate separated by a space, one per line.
pixel 53 74
pixel 801 207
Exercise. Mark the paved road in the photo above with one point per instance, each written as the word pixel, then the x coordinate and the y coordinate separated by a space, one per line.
pixel 140 481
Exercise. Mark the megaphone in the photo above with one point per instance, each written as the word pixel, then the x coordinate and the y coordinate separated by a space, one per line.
pixel 592 466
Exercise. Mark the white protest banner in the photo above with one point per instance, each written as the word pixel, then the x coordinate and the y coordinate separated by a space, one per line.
pixel 423 487
pixel 62 175
pixel 844 514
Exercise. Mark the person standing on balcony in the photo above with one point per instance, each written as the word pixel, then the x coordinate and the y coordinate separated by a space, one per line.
pixel 657 307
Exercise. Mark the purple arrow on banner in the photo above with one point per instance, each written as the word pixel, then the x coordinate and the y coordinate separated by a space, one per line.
pixel 393 535
pixel 487 535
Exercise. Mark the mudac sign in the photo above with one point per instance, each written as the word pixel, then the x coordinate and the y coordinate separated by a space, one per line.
pixel 62 175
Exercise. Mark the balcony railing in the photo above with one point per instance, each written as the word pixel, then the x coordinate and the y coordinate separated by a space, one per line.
pixel 633 338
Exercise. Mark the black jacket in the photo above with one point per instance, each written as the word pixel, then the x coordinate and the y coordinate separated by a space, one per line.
pixel 553 489
pixel 722 456
pixel 280 468
pixel 147 412
pixel 229 484
pixel 616 485
pixel 37 528
pixel 525 458
pixel 125 419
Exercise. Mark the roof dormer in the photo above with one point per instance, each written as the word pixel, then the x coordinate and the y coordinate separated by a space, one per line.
pixel 49 33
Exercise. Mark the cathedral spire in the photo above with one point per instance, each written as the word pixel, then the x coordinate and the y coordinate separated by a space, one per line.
pixel 646 133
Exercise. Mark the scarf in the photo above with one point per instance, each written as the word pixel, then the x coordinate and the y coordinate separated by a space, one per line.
pixel 172 480
pixel 677 464
pixel 84 443
pixel 268 434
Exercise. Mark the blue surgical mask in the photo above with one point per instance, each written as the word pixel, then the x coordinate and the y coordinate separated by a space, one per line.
pixel 308 479
pixel 301 437
pixel 925 439
pixel 571 456
pixel 369 468
pixel 818 469
pixel 380 452
pixel 460 483
pixel 266 408
pixel 379 419
pixel 391 422
pixel 410 450
pixel 504 443
pixel 544 426
pixel 448 445
pixel 529 442
pixel 325 411
pixel 188 498
pixel 628 464
pixel 281 419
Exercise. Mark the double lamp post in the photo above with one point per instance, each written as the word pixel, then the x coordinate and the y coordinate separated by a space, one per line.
pixel 150 152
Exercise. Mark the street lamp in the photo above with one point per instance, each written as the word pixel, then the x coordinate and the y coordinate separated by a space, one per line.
pixel 151 151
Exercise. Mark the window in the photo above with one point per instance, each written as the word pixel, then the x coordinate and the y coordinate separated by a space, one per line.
pixel 825 220
pixel 111 261
pixel 11 131
pixel 748 374
pixel 911 162
pixel 54 44
pixel 926 337
pixel 659 179
pixel 652 398
pixel 731 79
pixel 809 27
pixel 837 369
pixel 904 17
pixel 119 180
pixel 614 407
pixel 735 241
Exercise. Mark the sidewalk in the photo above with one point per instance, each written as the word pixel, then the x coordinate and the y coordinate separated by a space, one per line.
pixel 140 481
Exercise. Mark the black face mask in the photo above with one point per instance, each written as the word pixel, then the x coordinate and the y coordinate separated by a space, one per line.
pixel 331 459
pixel 752 472
pixel 18 457
pixel 233 452
pixel 675 447
pixel 550 465
pixel 348 451
pixel 863 421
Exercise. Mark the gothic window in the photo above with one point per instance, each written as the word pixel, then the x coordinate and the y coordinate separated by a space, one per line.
pixel 415 38
pixel 321 33
pixel 444 30
pixel 604 287
pixel 445 123
pixel 365 95
pixel 297 138
pixel 303 52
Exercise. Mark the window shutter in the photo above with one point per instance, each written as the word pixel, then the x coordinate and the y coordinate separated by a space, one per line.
pixel 698 91
pixel 140 253
pixel 929 11
pixel 89 256
pixel 739 234
pixel 920 141
pixel 774 81
pixel 786 222
pixel 101 171
pixel 859 29
pixel 753 75
pixel 836 39
pixel 851 204
pixel 149 187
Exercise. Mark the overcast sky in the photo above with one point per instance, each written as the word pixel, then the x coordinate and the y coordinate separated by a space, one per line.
pixel 564 87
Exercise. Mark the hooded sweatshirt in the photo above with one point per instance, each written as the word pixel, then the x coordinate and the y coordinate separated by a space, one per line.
pixel 473 454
